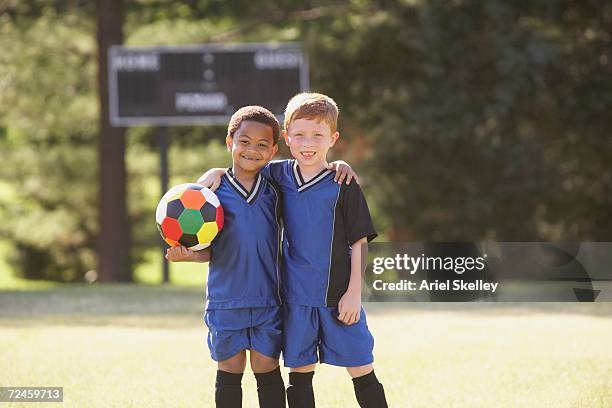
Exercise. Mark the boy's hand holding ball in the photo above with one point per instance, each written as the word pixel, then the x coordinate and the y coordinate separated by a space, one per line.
pixel 180 254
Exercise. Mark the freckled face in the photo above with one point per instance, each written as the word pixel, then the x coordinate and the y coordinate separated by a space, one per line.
pixel 309 141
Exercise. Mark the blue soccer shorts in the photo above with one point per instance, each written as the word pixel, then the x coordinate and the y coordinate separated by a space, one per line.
pixel 315 334
pixel 233 330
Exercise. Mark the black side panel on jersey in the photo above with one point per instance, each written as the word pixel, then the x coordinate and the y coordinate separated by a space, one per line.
pixel 352 221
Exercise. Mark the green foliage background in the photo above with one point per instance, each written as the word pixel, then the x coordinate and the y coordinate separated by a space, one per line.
pixel 467 120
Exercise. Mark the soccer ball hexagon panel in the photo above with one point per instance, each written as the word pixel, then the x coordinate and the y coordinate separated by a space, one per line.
pixel 189 215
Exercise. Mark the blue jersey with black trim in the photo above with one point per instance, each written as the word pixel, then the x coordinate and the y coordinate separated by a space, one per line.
pixel 244 267
pixel 322 219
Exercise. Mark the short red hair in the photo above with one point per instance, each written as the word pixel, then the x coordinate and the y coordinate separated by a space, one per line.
pixel 312 105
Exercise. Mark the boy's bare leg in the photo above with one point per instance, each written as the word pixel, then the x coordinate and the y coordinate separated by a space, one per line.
pixel 304 369
pixel 359 371
pixel 270 385
pixel 368 390
pixel 235 364
pixel 228 388
pixel 261 363
pixel 300 393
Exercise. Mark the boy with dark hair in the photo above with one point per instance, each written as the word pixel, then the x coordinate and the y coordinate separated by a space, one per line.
pixel 327 227
pixel 243 300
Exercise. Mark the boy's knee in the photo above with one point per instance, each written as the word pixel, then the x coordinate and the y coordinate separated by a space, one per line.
pixel 355 372
pixel 235 364
pixel 261 363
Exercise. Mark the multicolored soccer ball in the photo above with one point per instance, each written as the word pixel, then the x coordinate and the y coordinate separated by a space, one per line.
pixel 189 215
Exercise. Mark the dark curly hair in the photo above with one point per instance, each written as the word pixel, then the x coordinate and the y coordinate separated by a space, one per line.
pixel 255 114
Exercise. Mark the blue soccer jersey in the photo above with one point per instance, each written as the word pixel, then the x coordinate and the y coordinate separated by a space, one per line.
pixel 322 220
pixel 244 268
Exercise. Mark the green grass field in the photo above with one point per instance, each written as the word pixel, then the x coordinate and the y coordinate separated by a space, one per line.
pixel 144 346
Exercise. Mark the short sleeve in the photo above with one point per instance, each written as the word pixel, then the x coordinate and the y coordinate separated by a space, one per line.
pixel 357 220
pixel 272 170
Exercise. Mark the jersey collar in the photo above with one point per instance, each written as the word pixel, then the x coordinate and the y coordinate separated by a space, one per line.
pixel 249 196
pixel 299 179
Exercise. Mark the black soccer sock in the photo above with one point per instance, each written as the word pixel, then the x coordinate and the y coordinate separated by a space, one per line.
pixel 228 390
pixel 299 392
pixel 369 392
pixel 271 389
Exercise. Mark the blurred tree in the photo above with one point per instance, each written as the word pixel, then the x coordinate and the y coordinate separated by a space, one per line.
pixel 48 116
pixel 475 119
pixel 114 243
pixel 486 119
pixel 48 135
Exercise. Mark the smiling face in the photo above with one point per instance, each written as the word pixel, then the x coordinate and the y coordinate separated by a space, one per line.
pixel 309 141
pixel 252 146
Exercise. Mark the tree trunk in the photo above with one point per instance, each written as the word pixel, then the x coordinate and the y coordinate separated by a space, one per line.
pixel 114 261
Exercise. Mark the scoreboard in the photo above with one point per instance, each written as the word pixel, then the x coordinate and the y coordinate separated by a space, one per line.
pixel 202 84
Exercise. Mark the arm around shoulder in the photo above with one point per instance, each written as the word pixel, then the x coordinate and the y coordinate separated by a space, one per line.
pixel 212 178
